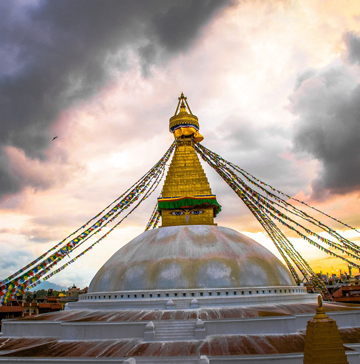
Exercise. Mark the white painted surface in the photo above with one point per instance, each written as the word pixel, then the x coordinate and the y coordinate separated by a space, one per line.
pixel 185 257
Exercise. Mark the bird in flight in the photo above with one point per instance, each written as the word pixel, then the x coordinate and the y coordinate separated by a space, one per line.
pixel 54 138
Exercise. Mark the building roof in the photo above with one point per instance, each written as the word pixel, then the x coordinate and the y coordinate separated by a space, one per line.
pixel 11 309
pixel 52 306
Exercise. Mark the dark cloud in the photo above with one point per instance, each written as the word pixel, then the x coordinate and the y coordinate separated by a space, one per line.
pixel 327 103
pixel 353 42
pixel 177 26
pixel 56 53
pixel 8 184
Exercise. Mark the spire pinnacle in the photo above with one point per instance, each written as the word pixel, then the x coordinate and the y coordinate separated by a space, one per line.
pixel 184 123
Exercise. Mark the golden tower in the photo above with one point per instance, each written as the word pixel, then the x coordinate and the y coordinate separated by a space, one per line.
pixel 186 197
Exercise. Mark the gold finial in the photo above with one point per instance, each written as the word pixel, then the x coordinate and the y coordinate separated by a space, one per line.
pixel 320 312
pixel 320 301
pixel 185 123
pixel 183 105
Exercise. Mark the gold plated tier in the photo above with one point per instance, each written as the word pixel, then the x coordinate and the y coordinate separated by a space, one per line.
pixel 186 176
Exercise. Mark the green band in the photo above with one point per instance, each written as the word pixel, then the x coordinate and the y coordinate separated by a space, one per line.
pixel 176 204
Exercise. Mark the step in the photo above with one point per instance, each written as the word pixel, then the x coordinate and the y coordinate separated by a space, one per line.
pixel 174 330
pixel 175 333
pixel 175 327
pixel 174 336
pixel 167 328
pixel 166 322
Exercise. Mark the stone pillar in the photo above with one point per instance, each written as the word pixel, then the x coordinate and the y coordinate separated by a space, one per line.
pixel 199 330
pixel 170 305
pixel 323 344
pixel 194 303
pixel 149 333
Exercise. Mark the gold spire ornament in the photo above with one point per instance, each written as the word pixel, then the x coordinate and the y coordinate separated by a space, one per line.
pixel 186 197
pixel 185 124
pixel 323 344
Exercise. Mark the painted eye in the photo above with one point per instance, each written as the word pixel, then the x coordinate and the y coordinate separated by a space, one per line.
pixel 177 213
pixel 197 212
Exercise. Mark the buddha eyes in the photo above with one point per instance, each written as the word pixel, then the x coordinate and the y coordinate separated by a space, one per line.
pixel 196 212
pixel 177 213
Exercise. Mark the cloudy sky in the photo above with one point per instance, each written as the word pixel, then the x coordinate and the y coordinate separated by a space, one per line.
pixel 275 85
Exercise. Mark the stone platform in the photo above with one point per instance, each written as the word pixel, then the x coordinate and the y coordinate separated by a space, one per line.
pixel 272 333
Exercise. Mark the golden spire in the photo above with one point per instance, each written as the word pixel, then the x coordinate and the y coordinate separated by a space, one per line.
pixel 184 123
pixel 186 197
pixel 323 344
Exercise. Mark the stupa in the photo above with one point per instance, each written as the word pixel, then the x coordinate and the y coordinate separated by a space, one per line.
pixel 187 292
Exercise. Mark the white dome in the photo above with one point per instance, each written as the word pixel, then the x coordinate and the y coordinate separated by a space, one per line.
pixel 197 256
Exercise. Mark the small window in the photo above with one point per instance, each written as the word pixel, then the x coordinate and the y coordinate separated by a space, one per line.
pixel 269 290
pixel 210 293
pixel 184 294
pixel 175 294
pixel 201 293
pixel 150 295
pixel 263 292
pixel 281 291
pixel 242 292
pixel 257 292
pixel 226 293
pixel 235 293
pixel 249 292
pixel 142 295
pixel 192 294
pixel 275 291
pixel 135 296
pixel 159 295
pixel 104 296
pixel 218 293
pixel 122 296
pixel 109 296
pixel 128 296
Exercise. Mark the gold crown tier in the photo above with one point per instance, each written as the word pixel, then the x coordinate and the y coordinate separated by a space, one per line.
pixel 185 124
